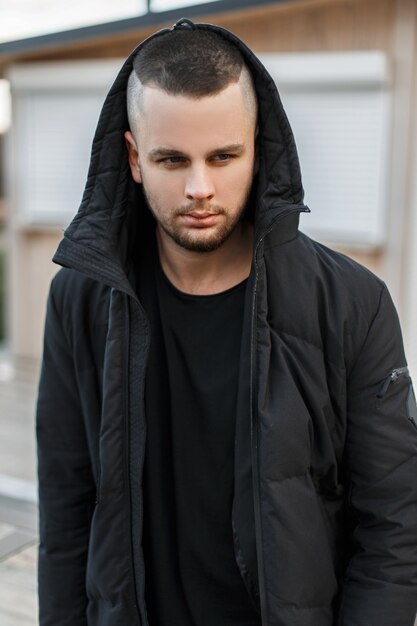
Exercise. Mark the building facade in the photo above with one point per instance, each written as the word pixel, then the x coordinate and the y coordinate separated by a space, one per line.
pixel 346 73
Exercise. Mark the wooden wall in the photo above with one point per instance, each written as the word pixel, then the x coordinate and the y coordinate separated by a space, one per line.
pixel 31 271
pixel 349 25
pixel 302 26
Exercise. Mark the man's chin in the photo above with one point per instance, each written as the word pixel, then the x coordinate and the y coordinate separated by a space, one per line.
pixel 202 242
pixel 198 239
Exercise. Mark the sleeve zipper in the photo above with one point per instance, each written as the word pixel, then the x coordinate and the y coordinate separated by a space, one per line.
pixel 392 378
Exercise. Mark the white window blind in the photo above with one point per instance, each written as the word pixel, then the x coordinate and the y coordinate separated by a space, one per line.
pixel 58 135
pixel 55 113
pixel 338 107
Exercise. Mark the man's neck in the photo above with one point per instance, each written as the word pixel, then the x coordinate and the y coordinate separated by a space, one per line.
pixel 206 273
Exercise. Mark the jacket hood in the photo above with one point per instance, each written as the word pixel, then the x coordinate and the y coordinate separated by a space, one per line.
pixel 100 238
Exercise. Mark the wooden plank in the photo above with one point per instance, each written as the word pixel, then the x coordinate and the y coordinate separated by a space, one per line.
pixel 10 618
pixel 18 380
pixel 14 542
pixel 6 530
pixel 18 589
pixel 18 514
pixel 18 605
pixel 20 569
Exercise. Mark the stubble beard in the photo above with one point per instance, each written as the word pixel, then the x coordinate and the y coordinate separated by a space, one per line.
pixel 196 239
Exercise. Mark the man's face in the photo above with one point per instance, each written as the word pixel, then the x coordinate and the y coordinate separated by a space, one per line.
pixel 195 159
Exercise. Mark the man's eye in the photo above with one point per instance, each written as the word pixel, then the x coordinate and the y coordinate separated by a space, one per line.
pixel 173 160
pixel 223 157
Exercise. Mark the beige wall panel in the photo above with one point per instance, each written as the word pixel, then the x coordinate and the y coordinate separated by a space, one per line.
pixel 34 252
pixel 372 260
pixel 403 155
pixel 337 26
pixel 401 257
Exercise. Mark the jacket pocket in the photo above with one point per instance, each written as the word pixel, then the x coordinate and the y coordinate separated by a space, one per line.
pixel 398 376
pixel 411 406
pixel 391 379
pixel 249 580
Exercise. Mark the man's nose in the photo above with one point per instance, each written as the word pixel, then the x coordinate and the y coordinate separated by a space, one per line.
pixel 198 184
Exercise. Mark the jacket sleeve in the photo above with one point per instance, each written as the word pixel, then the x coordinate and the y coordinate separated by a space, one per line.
pixel 380 585
pixel 66 487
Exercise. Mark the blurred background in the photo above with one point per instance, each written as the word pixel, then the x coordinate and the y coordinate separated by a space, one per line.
pixel 346 71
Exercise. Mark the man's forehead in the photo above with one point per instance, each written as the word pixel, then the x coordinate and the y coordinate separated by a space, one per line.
pixel 155 97
pixel 180 121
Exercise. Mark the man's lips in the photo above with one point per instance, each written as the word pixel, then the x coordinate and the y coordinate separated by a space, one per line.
pixel 201 214
pixel 200 219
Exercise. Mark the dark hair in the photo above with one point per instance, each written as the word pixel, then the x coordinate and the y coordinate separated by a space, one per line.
pixel 189 62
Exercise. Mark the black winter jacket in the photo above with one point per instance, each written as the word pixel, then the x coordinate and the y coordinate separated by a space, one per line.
pixel 325 502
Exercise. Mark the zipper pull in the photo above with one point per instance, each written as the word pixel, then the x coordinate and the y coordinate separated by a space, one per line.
pixel 412 407
pixel 392 378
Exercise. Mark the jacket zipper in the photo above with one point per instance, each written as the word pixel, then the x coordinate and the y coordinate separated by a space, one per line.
pixel 254 426
pixel 138 585
pixel 127 437
pixel 98 481
pixel 391 378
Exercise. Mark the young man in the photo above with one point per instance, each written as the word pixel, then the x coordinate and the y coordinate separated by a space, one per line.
pixel 226 424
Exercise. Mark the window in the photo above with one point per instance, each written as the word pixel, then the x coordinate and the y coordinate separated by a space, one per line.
pixel 338 105
pixel 55 112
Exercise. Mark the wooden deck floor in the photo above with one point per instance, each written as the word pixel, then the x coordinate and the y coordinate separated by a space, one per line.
pixel 18 597
pixel 18 509
pixel 18 559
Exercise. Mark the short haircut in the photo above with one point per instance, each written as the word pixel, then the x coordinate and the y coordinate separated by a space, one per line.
pixel 193 63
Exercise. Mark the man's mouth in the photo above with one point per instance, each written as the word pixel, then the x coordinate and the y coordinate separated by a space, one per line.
pixel 201 214
pixel 200 219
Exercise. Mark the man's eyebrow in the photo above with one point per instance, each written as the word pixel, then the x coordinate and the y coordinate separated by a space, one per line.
pixel 157 153
pixel 233 147
pixel 161 152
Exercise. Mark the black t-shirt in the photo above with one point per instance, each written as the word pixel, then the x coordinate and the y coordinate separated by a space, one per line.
pixel 192 578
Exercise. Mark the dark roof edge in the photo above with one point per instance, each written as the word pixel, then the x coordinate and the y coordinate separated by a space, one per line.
pixel 43 42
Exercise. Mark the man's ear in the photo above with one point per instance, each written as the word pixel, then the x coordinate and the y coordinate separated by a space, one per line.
pixel 133 156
